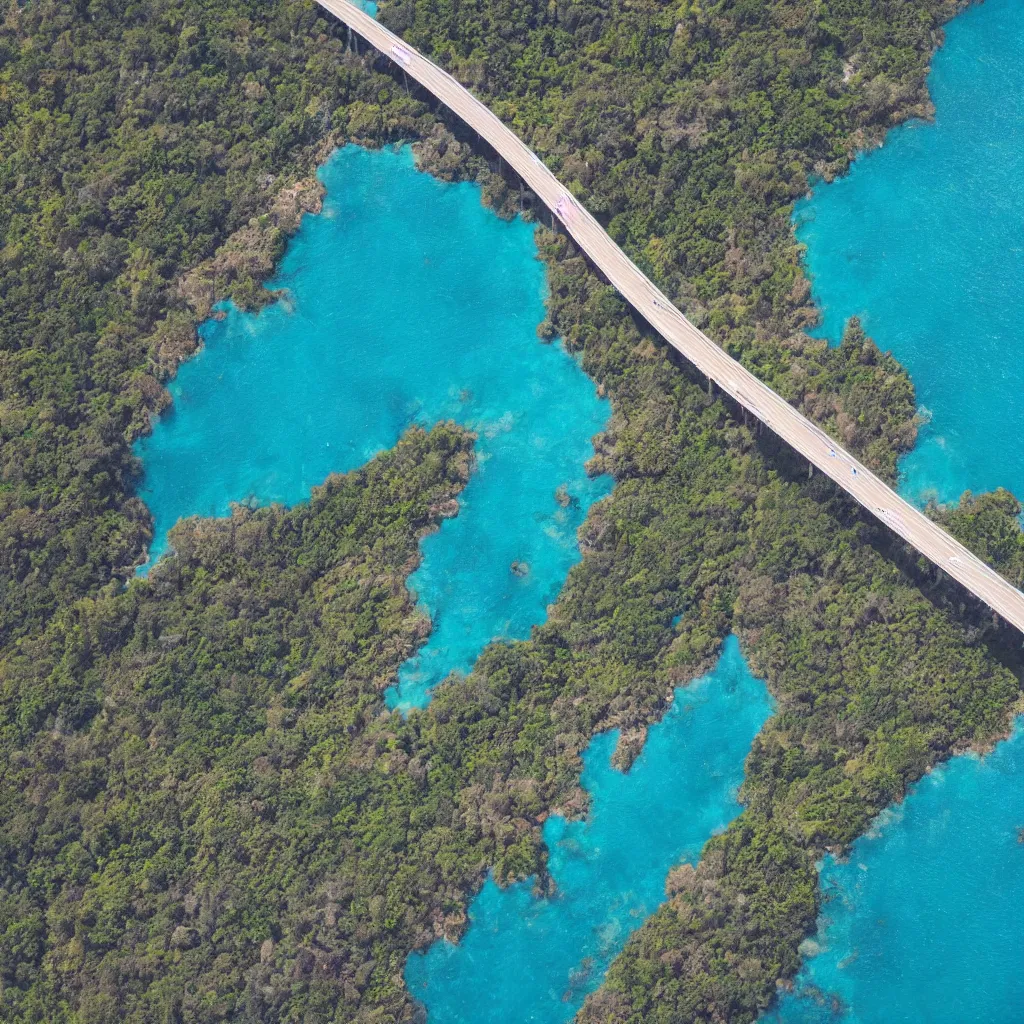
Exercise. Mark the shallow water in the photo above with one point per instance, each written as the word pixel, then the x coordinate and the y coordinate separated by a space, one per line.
pixel 924 922
pixel 924 239
pixel 407 302
pixel 534 960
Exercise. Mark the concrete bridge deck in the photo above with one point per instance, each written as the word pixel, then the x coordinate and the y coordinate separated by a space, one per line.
pixel 776 413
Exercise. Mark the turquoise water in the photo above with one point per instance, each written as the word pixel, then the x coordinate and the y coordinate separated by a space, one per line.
pixel 533 960
pixel 407 302
pixel 924 922
pixel 924 239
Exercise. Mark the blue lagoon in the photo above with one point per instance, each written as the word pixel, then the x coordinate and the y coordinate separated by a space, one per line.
pixel 924 240
pixel 406 302
pixel 530 959
pixel 923 922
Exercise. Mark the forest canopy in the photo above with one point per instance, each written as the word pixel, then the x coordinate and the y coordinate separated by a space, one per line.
pixel 208 812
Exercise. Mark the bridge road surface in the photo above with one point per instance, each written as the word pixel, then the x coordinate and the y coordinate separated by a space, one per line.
pixel 775 412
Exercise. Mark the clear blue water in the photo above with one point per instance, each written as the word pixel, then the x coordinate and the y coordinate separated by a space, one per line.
pixel 924 923
pixel 407 302
pixel 533 960
pixel 924 239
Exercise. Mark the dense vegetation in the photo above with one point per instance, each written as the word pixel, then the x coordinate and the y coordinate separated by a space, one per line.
pixel 136 139
pixel 207 812
pixel 692 129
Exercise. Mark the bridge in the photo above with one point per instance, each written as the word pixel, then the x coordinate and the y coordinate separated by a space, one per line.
pixel 795 429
